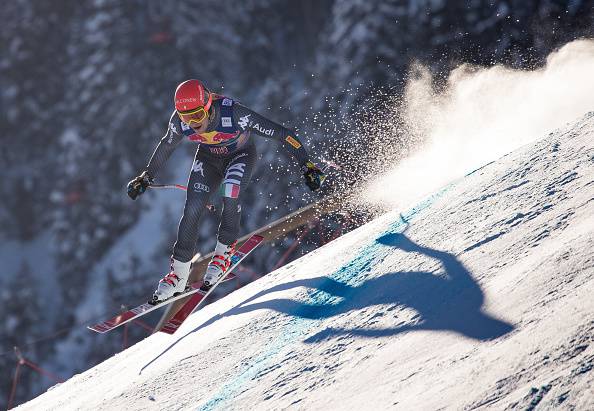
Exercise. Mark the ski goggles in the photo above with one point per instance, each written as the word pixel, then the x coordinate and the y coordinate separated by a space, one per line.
pixel 196 116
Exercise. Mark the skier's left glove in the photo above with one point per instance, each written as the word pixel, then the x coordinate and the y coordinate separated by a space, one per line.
pixel 314 177
pixel 139 185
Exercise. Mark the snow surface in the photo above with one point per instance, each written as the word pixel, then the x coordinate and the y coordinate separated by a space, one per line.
pixel 477 297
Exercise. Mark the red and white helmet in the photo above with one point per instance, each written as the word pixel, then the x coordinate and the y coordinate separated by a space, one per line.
pixel 192 102
pixel 192 94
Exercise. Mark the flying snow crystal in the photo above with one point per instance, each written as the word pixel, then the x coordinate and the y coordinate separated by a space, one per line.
pixel 482 114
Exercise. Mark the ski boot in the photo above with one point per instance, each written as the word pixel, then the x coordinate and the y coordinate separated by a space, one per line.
pixel 173 283
pixel 219 264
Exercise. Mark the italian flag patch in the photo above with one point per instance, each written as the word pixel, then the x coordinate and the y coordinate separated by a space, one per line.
pixel 230 190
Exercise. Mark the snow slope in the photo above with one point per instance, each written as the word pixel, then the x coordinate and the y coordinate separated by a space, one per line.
pixel 478 297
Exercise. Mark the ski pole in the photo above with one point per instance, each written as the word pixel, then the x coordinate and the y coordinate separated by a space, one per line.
pixel 210 207
pixel 178 186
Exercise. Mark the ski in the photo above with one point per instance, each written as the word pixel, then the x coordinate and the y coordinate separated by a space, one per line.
pixel 136 312
pixel 196 300
pixel 229 277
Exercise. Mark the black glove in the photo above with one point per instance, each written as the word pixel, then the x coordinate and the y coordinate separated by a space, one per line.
pixel 314 177
pixel 138 185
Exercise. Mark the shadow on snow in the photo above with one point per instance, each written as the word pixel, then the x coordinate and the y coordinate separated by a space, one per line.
pixel 446 302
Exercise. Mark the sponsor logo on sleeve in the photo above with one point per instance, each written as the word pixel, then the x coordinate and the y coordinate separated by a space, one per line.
pixel 244 121
pixel 293 142
pixel 172 131
pixel 184 126
pixel 259 128
pixel 227 102
pixel 226 121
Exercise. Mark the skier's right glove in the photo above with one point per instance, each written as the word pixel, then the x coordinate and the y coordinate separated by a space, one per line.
pixel 139 185
pixel 314 177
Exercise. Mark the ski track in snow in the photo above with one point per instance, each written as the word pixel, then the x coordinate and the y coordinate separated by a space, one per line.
pixel 477 298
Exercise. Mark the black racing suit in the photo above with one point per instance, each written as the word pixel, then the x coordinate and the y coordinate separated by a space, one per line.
pixel 225 158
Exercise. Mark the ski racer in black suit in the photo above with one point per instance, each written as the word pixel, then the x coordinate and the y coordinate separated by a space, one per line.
pixel 225 158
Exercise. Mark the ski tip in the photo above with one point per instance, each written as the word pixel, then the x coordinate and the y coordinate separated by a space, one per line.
pixel 168 330
pixel 93 328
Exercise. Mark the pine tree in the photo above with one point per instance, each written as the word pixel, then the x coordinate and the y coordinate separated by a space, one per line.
pixel 31 78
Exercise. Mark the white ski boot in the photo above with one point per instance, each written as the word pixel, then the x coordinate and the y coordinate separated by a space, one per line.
pixel 219 264
pixel 174 282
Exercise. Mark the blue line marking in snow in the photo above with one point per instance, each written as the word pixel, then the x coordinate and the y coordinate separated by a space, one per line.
pixel 352 273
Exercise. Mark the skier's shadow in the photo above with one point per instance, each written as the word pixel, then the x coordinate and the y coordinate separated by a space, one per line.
pixel 450 300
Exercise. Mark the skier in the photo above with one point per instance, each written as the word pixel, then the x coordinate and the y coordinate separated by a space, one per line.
pixel 225 157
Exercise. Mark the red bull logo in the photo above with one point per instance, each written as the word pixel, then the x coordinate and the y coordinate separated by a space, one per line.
pixel 213 137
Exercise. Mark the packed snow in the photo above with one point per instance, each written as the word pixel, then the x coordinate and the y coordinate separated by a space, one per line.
pixel 478 296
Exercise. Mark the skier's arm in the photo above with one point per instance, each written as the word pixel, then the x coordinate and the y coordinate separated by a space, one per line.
pixel 248 119
pixel 166 147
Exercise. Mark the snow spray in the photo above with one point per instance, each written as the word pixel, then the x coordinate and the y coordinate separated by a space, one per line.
pixel 480 115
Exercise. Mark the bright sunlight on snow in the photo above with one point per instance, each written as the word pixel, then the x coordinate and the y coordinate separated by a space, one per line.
pixel 482 114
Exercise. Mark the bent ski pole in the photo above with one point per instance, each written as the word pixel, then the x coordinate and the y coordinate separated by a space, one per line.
pixel 178 186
